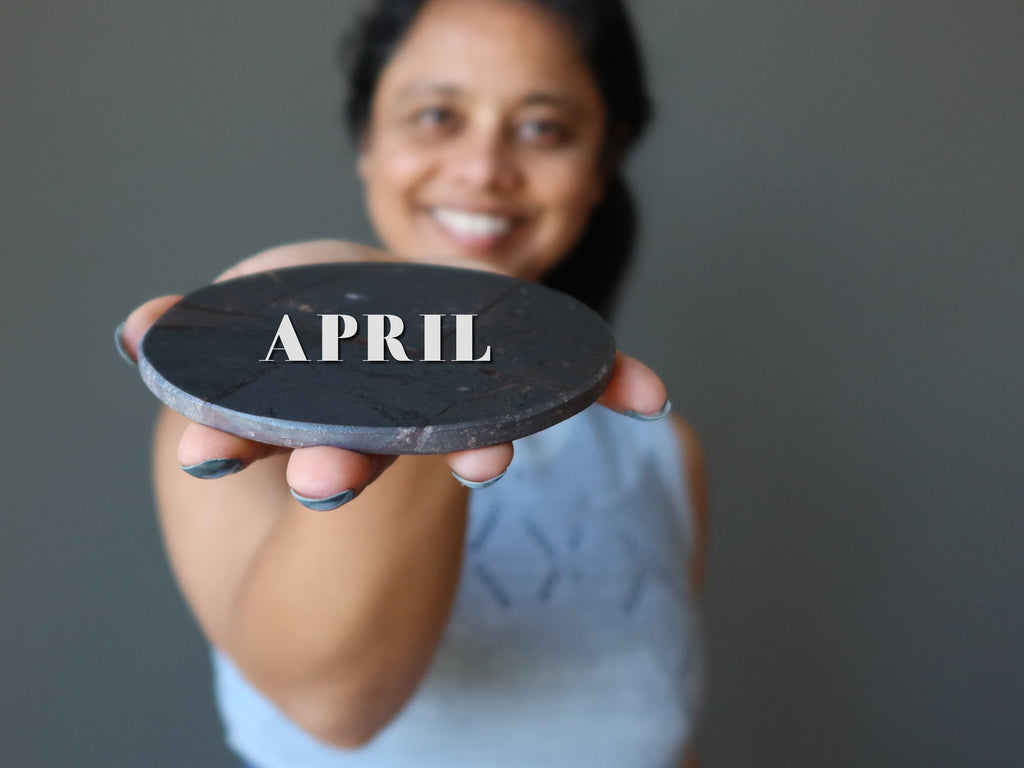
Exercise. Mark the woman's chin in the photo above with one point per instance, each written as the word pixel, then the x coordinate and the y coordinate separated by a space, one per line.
pixel 495 251
pixel 477 246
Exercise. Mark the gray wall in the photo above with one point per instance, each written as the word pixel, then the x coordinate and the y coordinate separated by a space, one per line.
pixel 833 206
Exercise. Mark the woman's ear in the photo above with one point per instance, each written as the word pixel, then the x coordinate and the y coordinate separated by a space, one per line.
pixel 606 171
pixel 599 188
pixel 363 152
pixel 610 161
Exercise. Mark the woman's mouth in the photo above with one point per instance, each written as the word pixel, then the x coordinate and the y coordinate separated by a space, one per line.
pixel 472 229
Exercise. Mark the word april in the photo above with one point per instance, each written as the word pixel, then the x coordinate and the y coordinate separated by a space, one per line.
pixel 382 334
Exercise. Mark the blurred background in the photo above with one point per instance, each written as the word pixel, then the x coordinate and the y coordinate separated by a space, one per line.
pixel 830 281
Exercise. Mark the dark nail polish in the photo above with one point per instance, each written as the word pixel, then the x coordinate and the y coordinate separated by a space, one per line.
pixel 650 417
pixel 326 503
pixel 214 468
pixel 120 347
pixel 477 485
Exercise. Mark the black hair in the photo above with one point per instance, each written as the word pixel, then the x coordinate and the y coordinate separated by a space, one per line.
pixel 594 268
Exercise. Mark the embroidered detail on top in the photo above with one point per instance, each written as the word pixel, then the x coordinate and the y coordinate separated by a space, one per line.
pixel 484 530
pixel 553 575
pixel 493 587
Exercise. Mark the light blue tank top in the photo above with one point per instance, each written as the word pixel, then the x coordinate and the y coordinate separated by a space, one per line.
pixel 573 640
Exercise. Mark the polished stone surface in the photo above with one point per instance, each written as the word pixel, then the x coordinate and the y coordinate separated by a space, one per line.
pixel 551 356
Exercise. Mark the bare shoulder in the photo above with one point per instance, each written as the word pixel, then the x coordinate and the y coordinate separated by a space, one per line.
pixel 299 254
pixel 695 471
pixel 333 252
pixel 692 450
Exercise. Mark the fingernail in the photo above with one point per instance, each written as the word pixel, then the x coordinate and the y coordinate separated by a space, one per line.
pixel 120 347
pixel 326 503
pixel 214 468
pixel 650 417
pixel 473 484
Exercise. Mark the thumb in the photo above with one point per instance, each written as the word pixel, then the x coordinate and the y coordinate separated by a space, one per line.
pixel 129 334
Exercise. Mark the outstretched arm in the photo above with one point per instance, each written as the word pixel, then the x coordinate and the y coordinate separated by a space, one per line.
pixel 334 615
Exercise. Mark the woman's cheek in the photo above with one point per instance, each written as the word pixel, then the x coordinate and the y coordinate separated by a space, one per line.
pixel 571 181
pixel 574 196
pixel 401 167
pixel 392 176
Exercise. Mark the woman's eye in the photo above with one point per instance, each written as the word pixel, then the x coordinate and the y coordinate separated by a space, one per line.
pixel 435 118
pixel 543 133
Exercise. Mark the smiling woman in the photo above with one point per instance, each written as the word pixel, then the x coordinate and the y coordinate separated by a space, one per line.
pixel 554 95
pixel 547 620
pixel 485 138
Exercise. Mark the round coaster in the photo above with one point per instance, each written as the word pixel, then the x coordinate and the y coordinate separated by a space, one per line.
pixel 381 358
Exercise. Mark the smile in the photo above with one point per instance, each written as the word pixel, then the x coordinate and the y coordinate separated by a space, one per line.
pixel 471 225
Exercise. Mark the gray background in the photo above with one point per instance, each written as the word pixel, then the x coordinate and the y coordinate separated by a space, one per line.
pixel 831 283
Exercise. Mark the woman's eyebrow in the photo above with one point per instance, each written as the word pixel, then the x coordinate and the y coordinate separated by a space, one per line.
pixel 545 98
pixel 417 90
pixel 537 98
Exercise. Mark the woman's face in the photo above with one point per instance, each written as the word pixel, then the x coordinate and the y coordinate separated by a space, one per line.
pixel 485 138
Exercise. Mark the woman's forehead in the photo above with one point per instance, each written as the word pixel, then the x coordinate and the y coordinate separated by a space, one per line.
pixel 459 47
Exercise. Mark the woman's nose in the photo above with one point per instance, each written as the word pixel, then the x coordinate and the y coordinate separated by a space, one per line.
pixel 486 161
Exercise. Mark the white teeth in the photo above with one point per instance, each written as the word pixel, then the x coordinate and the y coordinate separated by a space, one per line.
pixel 469 224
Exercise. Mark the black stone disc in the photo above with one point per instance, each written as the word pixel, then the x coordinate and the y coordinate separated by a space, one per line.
pixel 550 357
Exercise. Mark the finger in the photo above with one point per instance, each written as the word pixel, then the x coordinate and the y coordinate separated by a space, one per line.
pixel 324 478
pixel 635 390
pixel 208 453
pixel 481 467
pixel 128 335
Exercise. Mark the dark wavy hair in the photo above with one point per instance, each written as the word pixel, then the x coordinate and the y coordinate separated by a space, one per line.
pixel 594 268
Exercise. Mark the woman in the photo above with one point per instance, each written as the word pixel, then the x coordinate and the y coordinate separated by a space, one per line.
pixel 545 620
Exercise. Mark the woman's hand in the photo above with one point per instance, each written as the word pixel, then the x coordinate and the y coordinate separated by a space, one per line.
pixel 325 477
